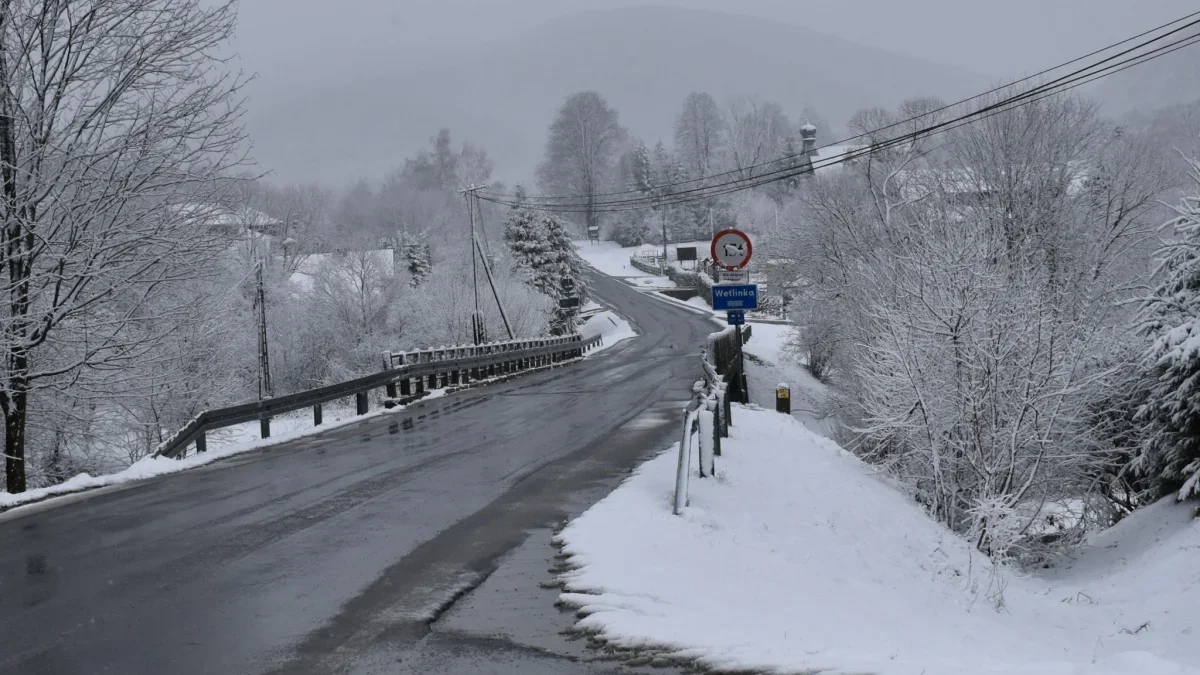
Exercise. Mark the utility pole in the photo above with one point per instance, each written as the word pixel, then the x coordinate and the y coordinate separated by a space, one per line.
pixel 477 249
pixel 264 359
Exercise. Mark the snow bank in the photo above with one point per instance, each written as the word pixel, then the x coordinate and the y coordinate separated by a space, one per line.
pixel 613 328
pixel 796 558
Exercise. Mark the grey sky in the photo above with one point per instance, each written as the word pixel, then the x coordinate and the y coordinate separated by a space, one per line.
pixel 348 88
pixel 282 38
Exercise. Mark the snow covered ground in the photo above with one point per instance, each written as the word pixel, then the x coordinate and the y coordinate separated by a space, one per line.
pixel 797 559
pixel 772 365
pixel 609 258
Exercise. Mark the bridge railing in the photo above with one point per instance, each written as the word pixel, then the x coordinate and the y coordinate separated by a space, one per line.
pixel 708 415
pixel 406 376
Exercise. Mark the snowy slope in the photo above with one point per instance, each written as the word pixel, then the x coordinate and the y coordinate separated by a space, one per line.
pixel 796 558
pixel 609 258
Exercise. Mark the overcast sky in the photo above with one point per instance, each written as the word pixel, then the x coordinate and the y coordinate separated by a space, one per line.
pixel 284 38
pixel 328 102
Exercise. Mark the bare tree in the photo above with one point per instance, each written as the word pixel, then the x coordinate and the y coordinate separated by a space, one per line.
pixel 116 119
pixel 583 142
pixel 757 132
pixel 699 134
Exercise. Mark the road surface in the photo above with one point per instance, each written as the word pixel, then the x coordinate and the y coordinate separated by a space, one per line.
pixel 413 542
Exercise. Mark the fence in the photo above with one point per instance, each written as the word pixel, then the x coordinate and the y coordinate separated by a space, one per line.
pixel 709 415
pixel 405 377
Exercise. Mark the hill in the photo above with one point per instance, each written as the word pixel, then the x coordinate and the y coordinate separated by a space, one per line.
pixel 504 95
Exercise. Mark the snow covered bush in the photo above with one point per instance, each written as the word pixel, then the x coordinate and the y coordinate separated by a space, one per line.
pixel 967 292
pixel 1171 318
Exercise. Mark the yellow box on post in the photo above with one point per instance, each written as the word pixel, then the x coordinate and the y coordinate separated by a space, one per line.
pixel 783 398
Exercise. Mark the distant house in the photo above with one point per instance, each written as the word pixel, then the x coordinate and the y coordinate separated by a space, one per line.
pixel 828 158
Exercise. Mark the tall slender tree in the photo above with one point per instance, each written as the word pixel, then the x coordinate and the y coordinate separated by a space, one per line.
pixel 699 134
pixel 583 142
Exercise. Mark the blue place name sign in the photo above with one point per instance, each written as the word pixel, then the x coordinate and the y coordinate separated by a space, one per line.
pixel 739 297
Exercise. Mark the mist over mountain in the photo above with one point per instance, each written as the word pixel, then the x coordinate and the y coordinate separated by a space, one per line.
pixel 1173 78
pixel 503 95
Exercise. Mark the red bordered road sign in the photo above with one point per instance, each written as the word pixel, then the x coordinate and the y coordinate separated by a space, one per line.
pixel 731 249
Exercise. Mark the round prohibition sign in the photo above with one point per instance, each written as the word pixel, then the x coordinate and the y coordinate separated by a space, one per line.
pixel 731 249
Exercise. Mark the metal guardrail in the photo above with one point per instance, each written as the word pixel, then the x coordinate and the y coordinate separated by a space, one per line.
pixel 708 415
pixel 411 372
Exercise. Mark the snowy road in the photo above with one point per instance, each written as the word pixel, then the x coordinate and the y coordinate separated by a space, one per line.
pixel 341 553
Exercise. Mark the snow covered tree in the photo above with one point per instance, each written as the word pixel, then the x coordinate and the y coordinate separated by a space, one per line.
pixel 641 169
pixel 699 134
pixel 629 229
pixel 1171 317
pixel 119 119
pixel 584 139
pixel 542 249
pixel 417 258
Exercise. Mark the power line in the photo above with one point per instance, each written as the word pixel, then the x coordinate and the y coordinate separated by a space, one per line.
pixel 1054 87
pixel 649 200
pixel 911 119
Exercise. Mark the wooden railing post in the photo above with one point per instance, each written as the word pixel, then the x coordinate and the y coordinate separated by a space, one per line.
pixel 317 415
pixel 264 427
pixel 360 402
pixel 201 442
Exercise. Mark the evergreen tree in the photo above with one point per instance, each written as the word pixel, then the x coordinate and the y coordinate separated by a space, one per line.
pixel 643 172
pixel 542 248
pixel 1171 318
pixel 417 258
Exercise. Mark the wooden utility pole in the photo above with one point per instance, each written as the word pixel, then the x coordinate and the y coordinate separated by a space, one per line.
pixel 477 249
pixel 264 359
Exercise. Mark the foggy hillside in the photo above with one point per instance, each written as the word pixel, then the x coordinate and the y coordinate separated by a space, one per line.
pixel 503 95
pixel 1174 78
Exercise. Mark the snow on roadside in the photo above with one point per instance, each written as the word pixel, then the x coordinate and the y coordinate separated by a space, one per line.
pixel 609 258
pixel 611 327
pixel 796 558
pixel 234 440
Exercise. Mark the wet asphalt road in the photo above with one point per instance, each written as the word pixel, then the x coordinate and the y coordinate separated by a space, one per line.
pixel 414 542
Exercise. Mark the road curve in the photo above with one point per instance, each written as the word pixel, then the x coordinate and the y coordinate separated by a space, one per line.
pixel 337 553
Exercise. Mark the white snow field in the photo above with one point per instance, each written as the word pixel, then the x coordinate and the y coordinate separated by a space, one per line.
pixel 609 258
pixel 796 559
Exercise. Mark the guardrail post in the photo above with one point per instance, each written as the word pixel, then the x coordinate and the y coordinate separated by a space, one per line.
pixel 433 377
pixel 716 427
pixel 317 415
pixel 420 358
pixel 264 427
pixel 491 366
pixel 360 402
pixel 681 469
pixel 201 442
pixel 387 365
pixel 474 352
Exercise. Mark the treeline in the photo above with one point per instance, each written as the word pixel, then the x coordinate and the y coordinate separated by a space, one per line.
pixel 590 155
